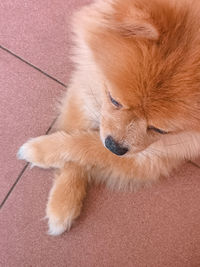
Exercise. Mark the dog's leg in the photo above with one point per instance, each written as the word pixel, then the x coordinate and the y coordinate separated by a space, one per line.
pixel 66 197
pixel 86 149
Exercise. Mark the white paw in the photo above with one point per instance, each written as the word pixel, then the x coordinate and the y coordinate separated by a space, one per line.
pixel 56 227
pixel 42 152
pixel 29 153
pixel 25 152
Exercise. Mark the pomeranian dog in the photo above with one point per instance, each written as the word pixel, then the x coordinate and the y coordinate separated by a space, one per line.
pixel 132 110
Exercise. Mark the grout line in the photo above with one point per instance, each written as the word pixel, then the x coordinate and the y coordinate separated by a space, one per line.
pixel 51 125
pixel 33 66
pixel 13 186
pixel 23 170
pixel 193 163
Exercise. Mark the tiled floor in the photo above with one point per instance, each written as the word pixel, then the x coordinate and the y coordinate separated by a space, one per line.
pixel 158 226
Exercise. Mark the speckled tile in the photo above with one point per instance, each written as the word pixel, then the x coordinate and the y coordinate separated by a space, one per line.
pixel 39 32
pixel 157 226
pixel 27 100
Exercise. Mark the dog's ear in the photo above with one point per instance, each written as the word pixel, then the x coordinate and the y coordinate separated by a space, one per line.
pixel 138 28
pixel 135 18
pixel 129 18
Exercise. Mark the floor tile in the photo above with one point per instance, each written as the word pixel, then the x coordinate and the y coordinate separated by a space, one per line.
pixel 157 226
pixel 27 109
pixel 38 31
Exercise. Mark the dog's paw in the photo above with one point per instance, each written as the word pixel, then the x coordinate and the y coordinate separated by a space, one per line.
pixel 58 225
pixel 45 151
pixel 30 153
pixel 38 152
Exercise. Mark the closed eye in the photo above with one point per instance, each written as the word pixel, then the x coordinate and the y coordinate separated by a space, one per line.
pixel 157 130
pixel 114 102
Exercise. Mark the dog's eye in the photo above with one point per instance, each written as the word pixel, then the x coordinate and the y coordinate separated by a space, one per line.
pixel 114 102
pixel 157 130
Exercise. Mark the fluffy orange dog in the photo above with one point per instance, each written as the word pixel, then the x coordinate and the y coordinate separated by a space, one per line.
pixel 132 110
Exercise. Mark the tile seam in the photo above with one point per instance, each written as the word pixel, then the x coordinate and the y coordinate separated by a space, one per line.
pixel 33 66
pixel 22 172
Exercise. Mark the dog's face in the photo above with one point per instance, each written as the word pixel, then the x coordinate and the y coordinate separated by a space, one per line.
pixel 149 54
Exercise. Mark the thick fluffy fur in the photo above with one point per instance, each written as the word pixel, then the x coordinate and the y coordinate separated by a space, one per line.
pixel 146 55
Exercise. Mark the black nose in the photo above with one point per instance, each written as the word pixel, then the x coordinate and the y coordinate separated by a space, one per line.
pixel 114 147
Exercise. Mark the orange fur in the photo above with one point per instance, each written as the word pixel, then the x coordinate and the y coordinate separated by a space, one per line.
pixel 146 55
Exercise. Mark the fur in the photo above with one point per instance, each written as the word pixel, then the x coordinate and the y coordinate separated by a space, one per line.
pixel 146 55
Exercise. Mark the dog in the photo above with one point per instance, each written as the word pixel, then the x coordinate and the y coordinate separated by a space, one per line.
pixel 131 112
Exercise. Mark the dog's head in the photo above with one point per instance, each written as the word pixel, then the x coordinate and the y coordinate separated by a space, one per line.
pixel 149 54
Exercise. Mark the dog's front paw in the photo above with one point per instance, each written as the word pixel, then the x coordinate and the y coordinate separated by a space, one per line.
pixel 39 152
pixel 30 152
pixel 58 225
pixel 60 218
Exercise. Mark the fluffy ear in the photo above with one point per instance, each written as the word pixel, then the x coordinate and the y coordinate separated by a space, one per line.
pixel 138 28
pixel 125 17
pixel 134 18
